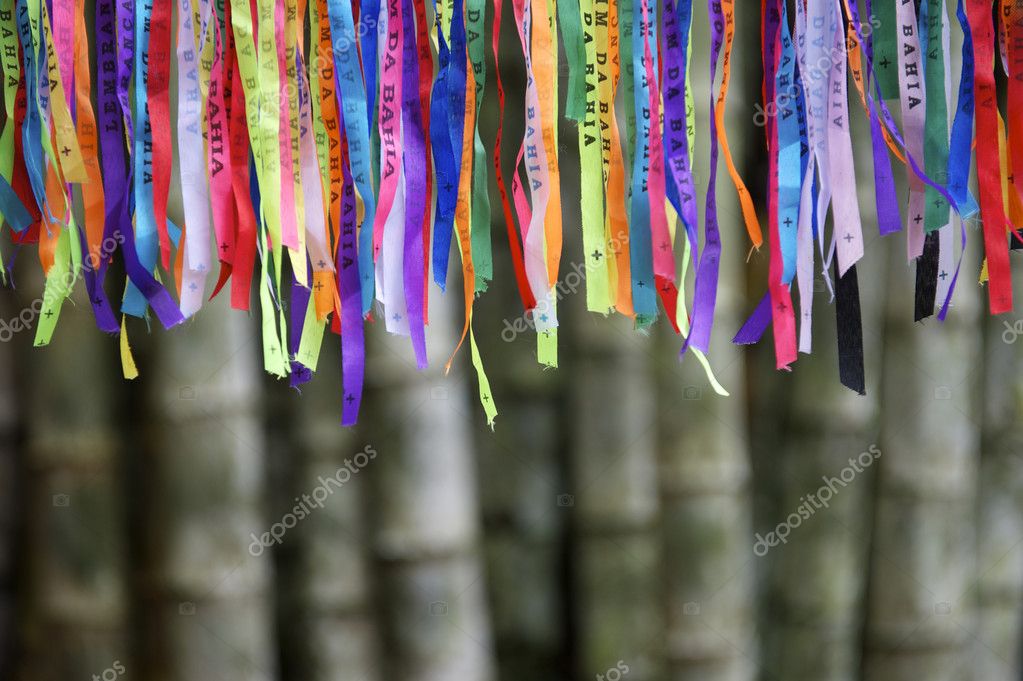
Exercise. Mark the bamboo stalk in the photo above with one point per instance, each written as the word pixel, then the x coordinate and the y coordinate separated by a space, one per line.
pixel 612 497
pixel 921 562
pixel 327 628
pixel 204 585
pixel 704 451
pixel 11 455
pixel 73 612
pixel 998 585
pixel 428 570
pixel 520 473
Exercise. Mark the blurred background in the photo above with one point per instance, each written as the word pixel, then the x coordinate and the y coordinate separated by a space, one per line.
pixel 206 522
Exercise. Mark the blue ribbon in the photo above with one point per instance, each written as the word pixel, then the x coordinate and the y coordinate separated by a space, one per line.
pixel 447 119
pixel 352 99
pixel 441 146
pixel 960 145
pixel 31 140
pixel 641 255
pixel 368 17
pixel 146 242
pixel 790 158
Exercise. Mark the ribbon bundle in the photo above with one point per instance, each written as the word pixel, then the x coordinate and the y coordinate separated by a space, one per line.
pixel 329 152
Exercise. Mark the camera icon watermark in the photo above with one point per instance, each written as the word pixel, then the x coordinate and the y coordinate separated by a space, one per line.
pixel 566 500
pixel 438 608
pixel 61 500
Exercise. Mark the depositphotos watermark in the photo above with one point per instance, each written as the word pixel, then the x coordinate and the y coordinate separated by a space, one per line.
pixel 815 72
pixel 1012 331
pixel 568 285
pixel 811 503
pixel 313 500
pixel 615 673
pixel 111 673
pixel 57 290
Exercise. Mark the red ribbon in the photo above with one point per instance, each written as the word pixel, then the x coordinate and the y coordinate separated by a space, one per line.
pixel 992 211
pixel 158 91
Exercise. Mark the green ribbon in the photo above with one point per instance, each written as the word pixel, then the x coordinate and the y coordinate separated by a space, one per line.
pixel 936 213
pixel 575 55
pixel 479 233
pixel 886 47
pixel 628 85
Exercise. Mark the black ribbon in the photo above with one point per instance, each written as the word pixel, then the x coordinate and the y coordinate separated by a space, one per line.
pixel 850 331
pixel 926 278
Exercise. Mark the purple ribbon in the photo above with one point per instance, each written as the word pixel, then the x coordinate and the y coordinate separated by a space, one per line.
pixel 300 373
pixel 888 218
pixel 706 286
pixel 414 159
pixel 114 113
pixel 676 141
pixel 353 347
pixel 753 330
pixel 94 275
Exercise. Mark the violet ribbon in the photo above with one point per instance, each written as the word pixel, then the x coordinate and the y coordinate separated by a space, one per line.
pixel 706 286
pixel 300 295
pixel 414 160
pixel 112 120
pixel 676 140
pixel 886 200
pixel 353 348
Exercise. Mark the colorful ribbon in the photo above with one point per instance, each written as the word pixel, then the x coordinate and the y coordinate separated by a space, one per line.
pixel 340 175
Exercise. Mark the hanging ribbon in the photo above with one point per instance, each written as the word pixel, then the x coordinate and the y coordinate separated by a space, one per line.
pixel 343 173
pixel 996 245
